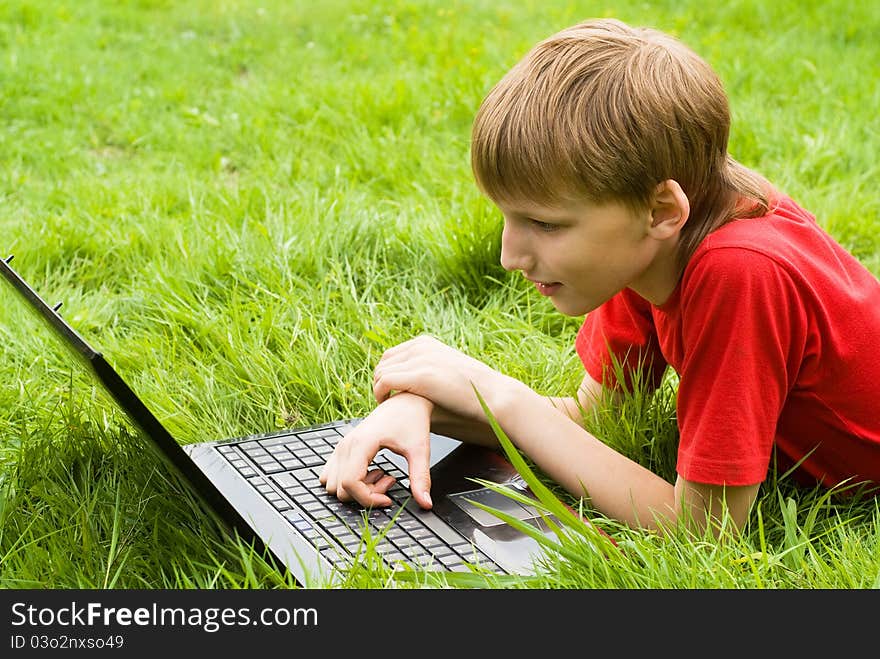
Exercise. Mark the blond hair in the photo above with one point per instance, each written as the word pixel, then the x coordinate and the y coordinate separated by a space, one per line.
pixel 602 111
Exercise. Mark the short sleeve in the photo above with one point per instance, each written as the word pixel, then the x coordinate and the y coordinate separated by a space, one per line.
pixel 618 339
pixel 742 325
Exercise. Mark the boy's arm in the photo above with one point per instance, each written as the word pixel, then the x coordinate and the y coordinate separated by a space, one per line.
pixel 616 485
pixel 589 394
pixel 401 423
pixel 430 374
pixel 699 501
pixel 443 422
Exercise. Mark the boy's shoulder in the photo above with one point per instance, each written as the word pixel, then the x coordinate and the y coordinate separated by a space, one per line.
pixel 787 242
pixel 787 234
pixel 784 220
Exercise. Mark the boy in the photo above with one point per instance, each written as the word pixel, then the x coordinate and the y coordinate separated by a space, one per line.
pixel 605 149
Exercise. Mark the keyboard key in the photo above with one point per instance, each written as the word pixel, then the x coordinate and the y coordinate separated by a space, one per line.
pixel 291 462
pixel 276 441
pixel 285 480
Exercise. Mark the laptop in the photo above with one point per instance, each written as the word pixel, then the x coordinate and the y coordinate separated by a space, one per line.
pixel 264 487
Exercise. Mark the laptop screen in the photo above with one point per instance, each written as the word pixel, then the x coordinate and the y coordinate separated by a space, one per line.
pixel 99 372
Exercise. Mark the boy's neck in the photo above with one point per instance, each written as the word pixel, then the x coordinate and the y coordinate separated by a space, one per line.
pixel 661 278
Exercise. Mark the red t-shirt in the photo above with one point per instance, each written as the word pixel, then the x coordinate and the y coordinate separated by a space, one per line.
pixel 774 331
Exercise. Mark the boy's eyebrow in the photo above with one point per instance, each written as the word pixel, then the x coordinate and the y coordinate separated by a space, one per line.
pixel 539 213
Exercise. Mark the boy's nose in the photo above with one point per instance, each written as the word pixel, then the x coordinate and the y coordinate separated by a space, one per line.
pixel 514 256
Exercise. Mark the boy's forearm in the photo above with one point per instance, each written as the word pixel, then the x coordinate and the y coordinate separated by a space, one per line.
pixel 617 486
pixel 473 432
pixel 479 432
pixel 550 431
pixel 568 406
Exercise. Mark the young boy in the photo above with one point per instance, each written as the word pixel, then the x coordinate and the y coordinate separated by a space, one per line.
pixel 605 149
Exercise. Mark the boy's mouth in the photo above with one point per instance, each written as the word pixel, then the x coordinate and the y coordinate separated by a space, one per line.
pixel 547 288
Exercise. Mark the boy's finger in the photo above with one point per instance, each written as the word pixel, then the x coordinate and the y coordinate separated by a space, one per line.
pixel 363 493
pixel 382 388
pixel 420 478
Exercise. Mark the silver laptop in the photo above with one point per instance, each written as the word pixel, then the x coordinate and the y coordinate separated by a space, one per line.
pixel 265 488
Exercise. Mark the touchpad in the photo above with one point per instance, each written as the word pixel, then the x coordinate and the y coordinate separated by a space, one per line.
pixel 492 499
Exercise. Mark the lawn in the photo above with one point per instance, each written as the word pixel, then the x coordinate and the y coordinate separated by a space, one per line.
pixel 242 205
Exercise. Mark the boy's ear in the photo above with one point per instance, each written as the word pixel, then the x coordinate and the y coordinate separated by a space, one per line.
pixel 670 209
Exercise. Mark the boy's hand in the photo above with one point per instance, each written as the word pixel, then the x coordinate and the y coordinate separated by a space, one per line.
pixel 444 375
pixel 402 424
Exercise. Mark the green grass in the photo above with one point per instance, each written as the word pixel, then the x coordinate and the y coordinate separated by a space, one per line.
pixel 244 207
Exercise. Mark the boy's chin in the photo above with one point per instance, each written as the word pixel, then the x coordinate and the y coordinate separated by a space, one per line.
pixel 572 307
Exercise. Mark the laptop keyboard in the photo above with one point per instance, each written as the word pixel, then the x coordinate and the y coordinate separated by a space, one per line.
pixel 286 469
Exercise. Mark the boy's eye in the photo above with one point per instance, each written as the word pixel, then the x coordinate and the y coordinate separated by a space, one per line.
pixel 543 226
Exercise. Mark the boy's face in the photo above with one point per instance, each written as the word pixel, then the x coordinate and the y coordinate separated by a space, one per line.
pixel 581 254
